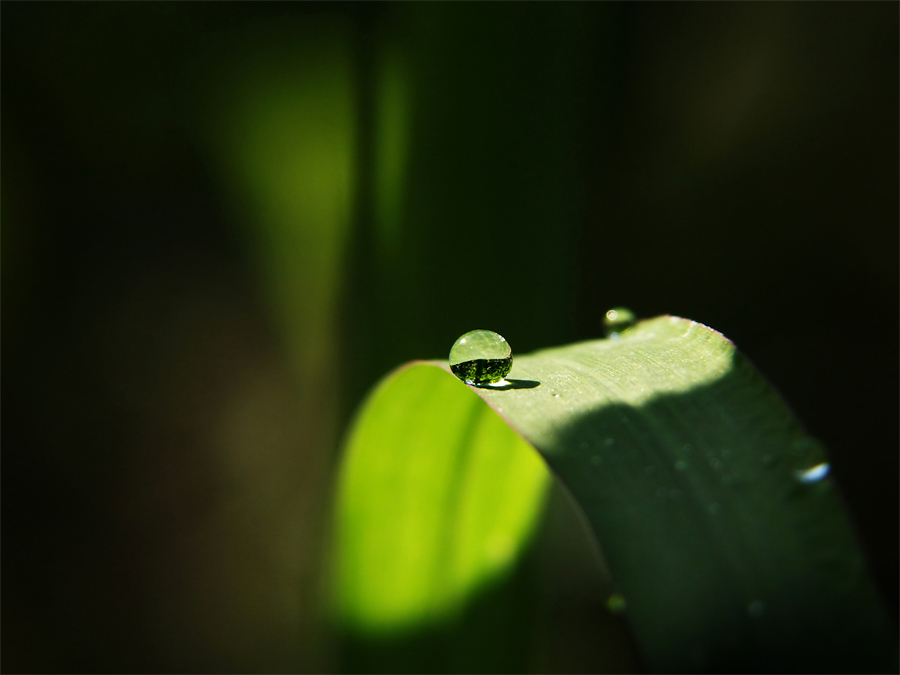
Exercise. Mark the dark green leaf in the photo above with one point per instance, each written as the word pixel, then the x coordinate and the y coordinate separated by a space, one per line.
pixel 726 539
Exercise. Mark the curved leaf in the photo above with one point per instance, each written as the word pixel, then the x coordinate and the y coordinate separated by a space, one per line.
pixel 722 531
pixel 437 495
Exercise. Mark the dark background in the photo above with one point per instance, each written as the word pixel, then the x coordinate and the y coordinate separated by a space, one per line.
pixel 197 289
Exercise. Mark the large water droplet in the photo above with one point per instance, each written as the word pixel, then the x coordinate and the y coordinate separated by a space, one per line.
pixel 617 320
pixel 481 357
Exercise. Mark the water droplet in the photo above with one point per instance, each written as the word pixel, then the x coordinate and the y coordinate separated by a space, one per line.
pixel 808 460
pixel 814 474
pixel 481 357
pixel 555 395
pixel 680 465
pixel 756 609
pixel 616 603
pixel 596 460
pixel 768 460
pixel 713 509
pixel 674 493
pixel 609 442
pixel 617 320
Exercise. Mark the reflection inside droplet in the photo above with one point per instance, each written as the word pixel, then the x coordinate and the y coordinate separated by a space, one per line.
pixel 814 474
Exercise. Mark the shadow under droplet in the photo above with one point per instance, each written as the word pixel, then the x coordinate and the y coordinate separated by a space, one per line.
pixel 514 384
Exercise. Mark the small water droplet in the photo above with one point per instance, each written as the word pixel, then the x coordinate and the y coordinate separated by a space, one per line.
pixel 808 460
pixel 481 357
pixel 555 395
pixel 674 493
pixel 768 460
pixel 616 603
pixel 687 447
pixel 814 474
pixel 609 442
pixel 680 465
pixel 650 470
pixel 596 460
pixel 617 320
pixel 756 608
pixel 713 509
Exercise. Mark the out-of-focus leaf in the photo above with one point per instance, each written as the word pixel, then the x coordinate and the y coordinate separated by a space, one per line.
pixel 728 545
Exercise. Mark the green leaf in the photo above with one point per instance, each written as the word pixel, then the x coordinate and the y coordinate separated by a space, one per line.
pixel 722 531
pixel 437 496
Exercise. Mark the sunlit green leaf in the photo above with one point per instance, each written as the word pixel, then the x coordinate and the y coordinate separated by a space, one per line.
pixel 727 543
pixel 437 496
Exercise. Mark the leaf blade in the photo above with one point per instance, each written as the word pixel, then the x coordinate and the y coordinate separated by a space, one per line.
pixel 440 545
pixel 689 468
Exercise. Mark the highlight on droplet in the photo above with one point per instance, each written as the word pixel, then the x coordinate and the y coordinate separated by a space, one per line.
pixel 814 474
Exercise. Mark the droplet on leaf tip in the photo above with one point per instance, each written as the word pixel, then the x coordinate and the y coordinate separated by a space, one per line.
pixel 617 320
pixel 481 357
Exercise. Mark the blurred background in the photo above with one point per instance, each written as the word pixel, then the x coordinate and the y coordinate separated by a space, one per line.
pixel 222 223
